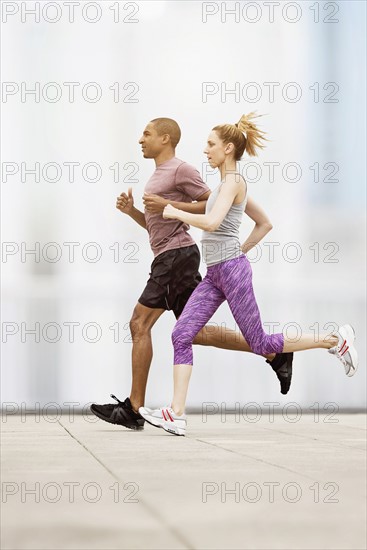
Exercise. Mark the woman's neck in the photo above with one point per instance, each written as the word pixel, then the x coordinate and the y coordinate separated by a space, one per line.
pixel 228 167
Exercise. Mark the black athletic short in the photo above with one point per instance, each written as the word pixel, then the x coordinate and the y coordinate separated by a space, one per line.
pixel 173 278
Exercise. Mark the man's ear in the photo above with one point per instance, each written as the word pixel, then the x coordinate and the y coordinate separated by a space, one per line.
pixel 166 139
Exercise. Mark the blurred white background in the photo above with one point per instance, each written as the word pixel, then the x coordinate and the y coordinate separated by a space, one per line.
pixel 164 59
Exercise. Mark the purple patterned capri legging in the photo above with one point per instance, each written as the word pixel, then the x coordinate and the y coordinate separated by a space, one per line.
pixel 232 281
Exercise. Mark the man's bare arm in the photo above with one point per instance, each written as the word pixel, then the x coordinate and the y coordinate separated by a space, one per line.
pixel 125 203
pixel 138 217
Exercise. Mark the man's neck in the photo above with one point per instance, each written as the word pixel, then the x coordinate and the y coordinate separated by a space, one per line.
pixel 163 157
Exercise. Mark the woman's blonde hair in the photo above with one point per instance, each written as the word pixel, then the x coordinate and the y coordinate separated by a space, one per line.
pixel 244 135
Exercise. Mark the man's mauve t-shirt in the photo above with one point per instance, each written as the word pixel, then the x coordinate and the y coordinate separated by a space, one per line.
pixel 174 180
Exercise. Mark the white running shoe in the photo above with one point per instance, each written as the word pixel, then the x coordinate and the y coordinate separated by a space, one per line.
pixel 345 350
pixel 165 418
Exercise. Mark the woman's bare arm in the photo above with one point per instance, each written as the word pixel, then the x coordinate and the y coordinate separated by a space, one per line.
pixel 212 220
pixel 262 225
pixel 156 204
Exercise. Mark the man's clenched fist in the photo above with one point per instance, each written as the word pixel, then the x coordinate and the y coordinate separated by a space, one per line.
pixel 124 202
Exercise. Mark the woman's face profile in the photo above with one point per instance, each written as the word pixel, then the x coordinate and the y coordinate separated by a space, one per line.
pixel 214 150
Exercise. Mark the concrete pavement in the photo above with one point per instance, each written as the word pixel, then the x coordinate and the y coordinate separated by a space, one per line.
pixel 75 482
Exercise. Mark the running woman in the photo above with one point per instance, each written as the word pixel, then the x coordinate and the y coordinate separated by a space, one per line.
pixel 229 275
pixel 175 269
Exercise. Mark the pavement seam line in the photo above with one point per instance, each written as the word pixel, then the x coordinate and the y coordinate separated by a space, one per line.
pixel 151 510
pixel 332 444
pixel 258 460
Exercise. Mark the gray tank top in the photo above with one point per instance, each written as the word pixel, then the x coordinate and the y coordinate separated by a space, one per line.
pixel 223 244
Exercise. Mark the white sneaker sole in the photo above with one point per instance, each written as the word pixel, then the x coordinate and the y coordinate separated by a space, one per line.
pixel 167 426
pixel 173 429
pixel 348 333
pixel 351 369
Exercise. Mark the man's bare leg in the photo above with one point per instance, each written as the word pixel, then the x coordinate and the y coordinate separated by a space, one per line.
pixel 142 321
pixel 224 338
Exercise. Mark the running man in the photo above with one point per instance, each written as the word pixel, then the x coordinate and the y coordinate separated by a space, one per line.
pixel 229 276
pixel 175 269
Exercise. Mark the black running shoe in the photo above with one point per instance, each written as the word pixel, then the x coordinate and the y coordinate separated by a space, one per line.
pixel 122 414
pixel 282 365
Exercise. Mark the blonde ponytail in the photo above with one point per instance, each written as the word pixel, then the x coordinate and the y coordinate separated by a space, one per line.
pixel 253 135
pixel 244 135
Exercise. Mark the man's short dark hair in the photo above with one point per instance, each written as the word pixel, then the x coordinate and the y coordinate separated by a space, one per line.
pixel 168 126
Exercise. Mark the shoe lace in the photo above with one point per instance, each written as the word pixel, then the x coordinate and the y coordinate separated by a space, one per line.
pixel 122 403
